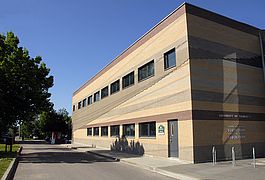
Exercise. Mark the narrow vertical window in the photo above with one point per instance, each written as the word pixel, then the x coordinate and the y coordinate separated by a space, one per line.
pixel 170 59
pixel 79 105
pixel 104 92
pixel 89 131
pixel 84 102
pixel 89 100
pixel 104 131
pixel 73 108
pixel 96 96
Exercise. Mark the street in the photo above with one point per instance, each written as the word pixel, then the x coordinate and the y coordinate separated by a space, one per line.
pixel 45 161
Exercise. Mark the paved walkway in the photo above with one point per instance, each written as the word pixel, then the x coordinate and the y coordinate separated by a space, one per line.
pixel 181 170
pixel 45 161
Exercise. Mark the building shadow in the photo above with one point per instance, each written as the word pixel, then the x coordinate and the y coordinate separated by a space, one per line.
pixel 132 147
pixel 66 156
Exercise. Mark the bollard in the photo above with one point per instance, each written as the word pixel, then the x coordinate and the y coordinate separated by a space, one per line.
pixel 233 157
pixel 254 158
pixel 213 153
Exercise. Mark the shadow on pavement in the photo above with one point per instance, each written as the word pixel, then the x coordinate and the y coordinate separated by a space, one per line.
pixel 32 142
pixel 120 155
pixel 52 155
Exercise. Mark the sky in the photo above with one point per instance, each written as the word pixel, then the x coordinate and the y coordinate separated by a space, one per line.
pixel 77 38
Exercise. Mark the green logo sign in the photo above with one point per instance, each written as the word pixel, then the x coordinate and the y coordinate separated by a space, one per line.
pixel 161 129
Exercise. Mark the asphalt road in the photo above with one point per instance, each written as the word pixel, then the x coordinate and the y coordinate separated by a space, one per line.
pixel 45 161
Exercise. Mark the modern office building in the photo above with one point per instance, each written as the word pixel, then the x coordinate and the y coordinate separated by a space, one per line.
pixel 194 81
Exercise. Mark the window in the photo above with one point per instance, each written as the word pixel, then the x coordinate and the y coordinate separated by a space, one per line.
pixel 147 129
pixel 96 131
pixel 115 130
pixel 146 71
pixel 73 108
pixel 79 105
pixel 104 131
pixel 115 87
pixel 84 103
pixel 104 92
pixel 89 100
pixel 128 80
pixel 89 132
pixel 129 129
pixel 96 96
pixel 170 59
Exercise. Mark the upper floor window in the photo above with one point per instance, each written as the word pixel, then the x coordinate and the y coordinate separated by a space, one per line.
pixel 73 108
pixel 79 105
pixel 84 102
pixel 104 131
pixel 96 96
pixel 170 59
pixel 115 87
pixel 89 100
pixel 128 80
pixel 147 129
pixel 146 71
pixel 129 129
pixel 104 92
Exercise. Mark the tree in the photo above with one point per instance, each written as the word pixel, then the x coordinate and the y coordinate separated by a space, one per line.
pixel 24 83
pixel 56 122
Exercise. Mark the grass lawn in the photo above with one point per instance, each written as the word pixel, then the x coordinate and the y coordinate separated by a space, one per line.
pixel 6 157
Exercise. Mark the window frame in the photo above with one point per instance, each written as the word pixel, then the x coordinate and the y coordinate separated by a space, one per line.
pixel 148 129
pixel 111 87
pixel 79 106
pixel 123 130
pixel 87 131
pixel 84 102
pixel 123 80
pixel 73 108
pixel 111 132
pixel 144 66
pixel 94 130
pixel 166 64
pixel 101 129
pixel 88 100
pixel 96 93
pixel 103 89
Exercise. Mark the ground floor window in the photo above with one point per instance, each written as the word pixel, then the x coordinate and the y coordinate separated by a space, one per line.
pixel 89 131
pixel 147 129
pixel 96 131
pixel 115 130
pixel 129 129
pixel 104 131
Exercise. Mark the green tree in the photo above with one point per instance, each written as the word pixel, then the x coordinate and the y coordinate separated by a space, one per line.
pixel 56 122
pixel 24 83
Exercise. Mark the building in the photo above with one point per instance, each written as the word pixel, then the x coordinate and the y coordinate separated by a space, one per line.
pixel 193 82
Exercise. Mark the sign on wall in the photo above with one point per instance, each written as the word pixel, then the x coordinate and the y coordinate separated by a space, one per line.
pixel 161 130
pixel 235 132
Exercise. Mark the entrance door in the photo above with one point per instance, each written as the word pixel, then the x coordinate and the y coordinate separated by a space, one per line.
pixel 173 148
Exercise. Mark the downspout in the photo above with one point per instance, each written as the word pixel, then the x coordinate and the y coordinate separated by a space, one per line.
pixel 262 43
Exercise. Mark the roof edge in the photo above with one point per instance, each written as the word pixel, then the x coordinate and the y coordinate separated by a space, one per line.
pixel 145 34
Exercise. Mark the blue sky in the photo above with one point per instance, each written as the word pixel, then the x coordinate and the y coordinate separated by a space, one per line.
pixel 77 38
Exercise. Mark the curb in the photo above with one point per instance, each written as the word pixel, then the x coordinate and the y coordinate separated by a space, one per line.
pixel 160 171
pixel 149 168
pixel 105 156
pixel 10 172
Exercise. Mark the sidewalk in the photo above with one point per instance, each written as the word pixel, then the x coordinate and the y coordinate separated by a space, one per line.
pixel 181 170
